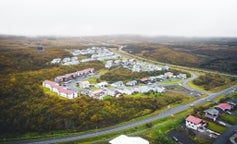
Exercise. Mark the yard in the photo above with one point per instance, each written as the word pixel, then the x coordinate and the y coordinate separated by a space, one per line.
pixel 217 128
pixel 229 119
pixel 235 111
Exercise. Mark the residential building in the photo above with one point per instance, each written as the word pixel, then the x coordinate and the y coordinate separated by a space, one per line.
pixel 195 123
pixel 101 85
pixel 84 84
pixel 56 61
pixel 117 84
pixel 165 68
pixel 60 90
pixel 144 80
pixel 97 93
pixel 112 92
pixel 211 114
pixel 66 77
pixel 168 75
pixel 132 83
pixel 224 107
pixel 67 59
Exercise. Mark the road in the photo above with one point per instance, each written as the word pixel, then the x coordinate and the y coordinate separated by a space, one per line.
pixel 161 115
pixel 224 138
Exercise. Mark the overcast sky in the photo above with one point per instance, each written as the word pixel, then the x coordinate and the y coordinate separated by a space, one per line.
pixel 102 17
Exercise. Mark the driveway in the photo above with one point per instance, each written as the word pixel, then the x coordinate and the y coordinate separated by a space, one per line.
pixel 182 137
pixel 224 138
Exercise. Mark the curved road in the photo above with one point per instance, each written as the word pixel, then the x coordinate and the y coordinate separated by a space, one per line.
pixel 161 115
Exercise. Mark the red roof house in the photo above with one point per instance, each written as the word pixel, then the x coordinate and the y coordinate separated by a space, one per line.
pixel 195 123
pixel 224 106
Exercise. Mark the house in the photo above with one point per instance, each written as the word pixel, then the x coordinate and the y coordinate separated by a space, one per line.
pixel 60 90
pixel 49 84
pixel 233 102
pixel 109 64
pixel 211 114
pixel 224 107
pixel 132 83
pixel 126 90
pixel 85 71
pixel 165 68
pixel 112 92
pixel 117 84
pixel 123 139
pixel 56 61
pixel 66 77
pixel 144 80
pixel 97 93
pixel 181 76
pixel 136 68
pixel 159 89
pixel 168 75
pixel 84 84
pixel 144 89
pixel 195 123
pixel 152 79
pixel 74 59
pixel 101 85
pixel 87 60
pixel 67 59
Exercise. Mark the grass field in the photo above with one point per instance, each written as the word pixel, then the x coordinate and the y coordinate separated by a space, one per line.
pixel 217 128
pixel 229 119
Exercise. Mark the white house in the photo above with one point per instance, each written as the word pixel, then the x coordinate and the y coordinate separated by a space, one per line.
pixel 56 61
pixel 182 76
pixel 67 59
pixel 117 84
pixel 112 92
pixel 123 139
pixel 60 90
pixel 84 84
pixel 101 85
pixel 132 83
pixel 168 75
pixel 165 68
pixel 195 123
pixel 109 64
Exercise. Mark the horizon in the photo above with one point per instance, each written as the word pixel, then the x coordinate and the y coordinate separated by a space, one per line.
pixel 74 18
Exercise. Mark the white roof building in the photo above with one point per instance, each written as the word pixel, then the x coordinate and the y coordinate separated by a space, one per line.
pixel 123 139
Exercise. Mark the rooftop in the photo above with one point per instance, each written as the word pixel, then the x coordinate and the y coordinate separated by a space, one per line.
pixel 194 119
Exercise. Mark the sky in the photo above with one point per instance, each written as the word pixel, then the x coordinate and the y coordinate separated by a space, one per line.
pixel 110 17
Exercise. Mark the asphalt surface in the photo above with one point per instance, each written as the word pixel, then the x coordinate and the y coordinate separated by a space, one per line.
pixel 224 138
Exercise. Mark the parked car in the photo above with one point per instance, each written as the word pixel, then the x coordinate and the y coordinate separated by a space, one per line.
pixel 175 138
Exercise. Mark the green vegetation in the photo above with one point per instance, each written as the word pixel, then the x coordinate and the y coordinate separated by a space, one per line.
pixel 217 128
pixel 229 119
pixel 211 82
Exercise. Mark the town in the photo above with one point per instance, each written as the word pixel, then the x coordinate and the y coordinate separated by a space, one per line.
pixel 75 84
pixel 69 85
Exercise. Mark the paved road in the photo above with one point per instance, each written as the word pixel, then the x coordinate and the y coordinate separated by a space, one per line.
pixel 224 138
pixel 161 115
